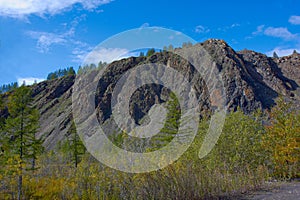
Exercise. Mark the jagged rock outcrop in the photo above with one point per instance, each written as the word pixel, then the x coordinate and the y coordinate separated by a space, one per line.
pixel 251 80
pixel 54 100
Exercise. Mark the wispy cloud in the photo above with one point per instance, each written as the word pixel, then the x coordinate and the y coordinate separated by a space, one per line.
pixel 259 30
pixel 201 29
pixel 104 54
pixel 46 39
pixel 23 8
pixel 145 25
pixel 280 32
pixel 291 40
pixel 29 80
pixel 81 52
pixel 229 27
pixel 295 20
pixel 280 51
pixel 235 25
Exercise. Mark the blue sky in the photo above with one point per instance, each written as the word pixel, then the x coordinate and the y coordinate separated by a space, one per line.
pixel 40 36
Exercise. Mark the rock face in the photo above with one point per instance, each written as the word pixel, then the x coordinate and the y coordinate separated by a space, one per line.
pixel 54 101
pixel 251 80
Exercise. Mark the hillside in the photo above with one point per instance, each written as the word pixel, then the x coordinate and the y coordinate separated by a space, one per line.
pixel 251 79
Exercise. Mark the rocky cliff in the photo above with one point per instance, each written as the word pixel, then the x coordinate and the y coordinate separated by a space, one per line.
pixel 251 80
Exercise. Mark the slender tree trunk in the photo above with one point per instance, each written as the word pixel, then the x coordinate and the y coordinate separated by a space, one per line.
pixel 20 181
pixel 33 163
pixel 20 187
pixel 76 153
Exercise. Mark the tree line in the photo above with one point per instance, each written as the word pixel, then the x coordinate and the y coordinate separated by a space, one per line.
pixel 60 73
pixel 20 147
pixel 8 87
pixel 247 154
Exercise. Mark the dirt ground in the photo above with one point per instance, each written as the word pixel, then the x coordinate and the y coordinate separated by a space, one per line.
pixel 277 191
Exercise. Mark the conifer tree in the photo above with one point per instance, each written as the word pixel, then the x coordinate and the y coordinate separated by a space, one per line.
pixel 21 127
pixel 75 147
pixel 150 52
pixel 1 132
pixel 1 118
pixel 171 124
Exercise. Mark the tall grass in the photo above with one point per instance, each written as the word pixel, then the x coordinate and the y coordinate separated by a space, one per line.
pixel 237 164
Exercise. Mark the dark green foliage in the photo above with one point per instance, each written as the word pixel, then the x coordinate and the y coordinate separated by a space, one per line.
pixel 150 52
pixel 172 119
pixel 73 146
pixel 60 73
pixel 86 68
pixel 171 47
pixel 187 44
pixel 171 124
pixel 21 126
pixel 1 118
pixel 90 67
pixel 142 54
pixel 165 48
pixel 101 64
pixel 8 87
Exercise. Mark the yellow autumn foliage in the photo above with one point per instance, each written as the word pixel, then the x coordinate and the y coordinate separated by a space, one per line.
pixel 282 140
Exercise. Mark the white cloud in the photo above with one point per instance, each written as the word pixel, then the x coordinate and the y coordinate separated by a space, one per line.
pixel 201 29
pixel 295 20
pixel 259 30
pixel 145 25
pixel 23 8
pixel 229 27
pixel 29 80
pixel 45 39
pixel 282 51
pixel 80 52
pixel 280 32
pixel 235 25
pixel 104 55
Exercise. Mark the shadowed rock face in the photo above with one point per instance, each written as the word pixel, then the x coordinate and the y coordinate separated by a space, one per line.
pixel 251 80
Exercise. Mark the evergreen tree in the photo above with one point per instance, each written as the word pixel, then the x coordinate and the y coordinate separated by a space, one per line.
pixel 1 118
pixel 101 65
pixel 171 47
pixel 21 127
pixel 165 48
pixel 8 87
pixel 171 125
pixel 71 71
pixel 52 76
pixel 1 128
pixel 150 52
pixel 74 146
pixel 60 73
pixel 172 119
pixel 142 54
